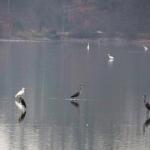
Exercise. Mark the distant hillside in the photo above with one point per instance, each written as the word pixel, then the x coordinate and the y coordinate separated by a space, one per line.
pixel 127 16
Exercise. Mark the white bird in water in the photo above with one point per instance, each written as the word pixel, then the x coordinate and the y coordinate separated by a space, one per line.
pixel 87 124
pixel 88 47
pixel 20 93
pixel 145 48
pixel 20 103
pixel 111 58
pixel 99 32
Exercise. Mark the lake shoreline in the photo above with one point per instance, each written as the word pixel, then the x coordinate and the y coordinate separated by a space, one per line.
pixel 138 41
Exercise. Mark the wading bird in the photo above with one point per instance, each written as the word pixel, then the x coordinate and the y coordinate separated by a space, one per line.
pixel 99 32
pixel 145 48
pixel 73 97
pixel 77 94
pixel 20 93
pixel 111 58
pixel 88 47
pixel 20 103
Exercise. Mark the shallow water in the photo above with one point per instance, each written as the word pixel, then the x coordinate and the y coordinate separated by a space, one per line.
pixel 111 113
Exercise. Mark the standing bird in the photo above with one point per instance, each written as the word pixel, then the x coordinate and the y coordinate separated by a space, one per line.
pixel 99 32
pixel 145 48
pixel 88 47
pixel 111 58
pixel 147 105
pixel 20 103
pixel 77 94
pixel 20 93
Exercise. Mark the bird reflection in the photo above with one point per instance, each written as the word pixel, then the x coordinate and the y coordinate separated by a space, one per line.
pixel 22 116
pixel 110 58
pixel 75 103
pixel 110 63
pixel 146 124
pixel 147 105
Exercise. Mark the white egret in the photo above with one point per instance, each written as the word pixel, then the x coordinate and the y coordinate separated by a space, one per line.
pixel 145 48
pixel 88 47
pixel 20 93
pixel 111 58
pixel 77 94
pixel 99 32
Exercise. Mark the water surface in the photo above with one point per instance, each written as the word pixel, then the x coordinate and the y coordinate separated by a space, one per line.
pixel 111 115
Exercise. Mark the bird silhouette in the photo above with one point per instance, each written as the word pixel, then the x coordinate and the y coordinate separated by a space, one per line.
pixel 77 94
pixel 73 97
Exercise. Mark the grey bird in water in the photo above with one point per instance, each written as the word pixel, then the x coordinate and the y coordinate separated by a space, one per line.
pixel 73 97
pixel 77 94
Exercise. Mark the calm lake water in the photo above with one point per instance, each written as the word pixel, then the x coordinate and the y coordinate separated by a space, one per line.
pixel 111 113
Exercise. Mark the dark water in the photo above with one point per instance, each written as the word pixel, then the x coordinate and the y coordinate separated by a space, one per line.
pixel 111 113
